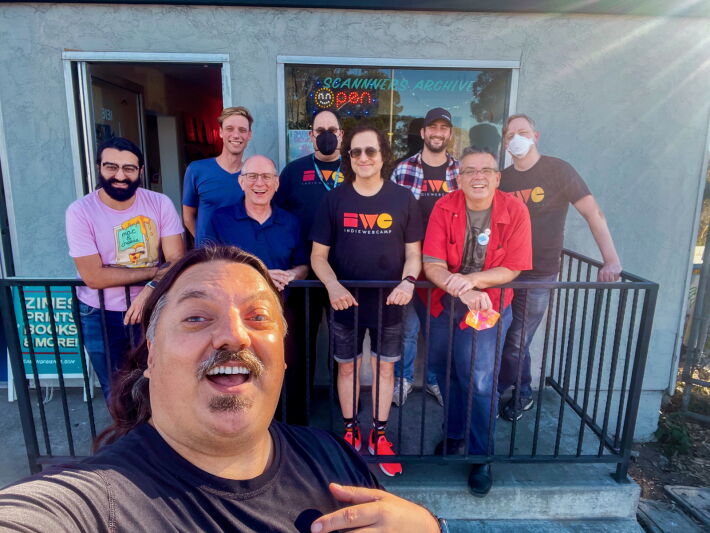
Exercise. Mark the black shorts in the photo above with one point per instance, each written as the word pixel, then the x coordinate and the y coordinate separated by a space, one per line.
pixel 344 350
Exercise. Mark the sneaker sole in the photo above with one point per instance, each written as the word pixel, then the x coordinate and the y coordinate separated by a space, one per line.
pixel 385 472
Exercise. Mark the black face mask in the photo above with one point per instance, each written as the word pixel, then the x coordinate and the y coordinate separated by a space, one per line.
pixel 120 195
pixel 327 142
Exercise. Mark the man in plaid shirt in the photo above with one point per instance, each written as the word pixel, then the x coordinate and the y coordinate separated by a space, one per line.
pixel 429 174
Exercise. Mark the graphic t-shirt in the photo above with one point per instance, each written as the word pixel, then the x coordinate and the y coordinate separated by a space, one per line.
pixel 367 236
pixel 141 484
pixel 433 188
pixel 546 189
pixel 301 189
pixel 478 231
pixel 129 238
pixel 207 187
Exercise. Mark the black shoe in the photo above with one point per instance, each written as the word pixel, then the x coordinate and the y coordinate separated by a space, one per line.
pixel 512 412
pixel 453 447
pixel 480 480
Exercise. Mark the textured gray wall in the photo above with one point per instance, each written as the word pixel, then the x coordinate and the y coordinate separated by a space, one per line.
pixel 624 99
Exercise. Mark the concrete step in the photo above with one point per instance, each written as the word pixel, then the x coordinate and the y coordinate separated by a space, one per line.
pixel 520 492
pixel 546 526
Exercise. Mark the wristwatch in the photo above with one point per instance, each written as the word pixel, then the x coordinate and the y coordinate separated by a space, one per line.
pixel 410 279
pixel 152 284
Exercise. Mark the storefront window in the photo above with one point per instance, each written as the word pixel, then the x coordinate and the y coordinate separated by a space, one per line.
pixel 396 100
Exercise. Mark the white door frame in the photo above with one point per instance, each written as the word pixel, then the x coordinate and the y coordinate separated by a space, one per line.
pixel 69 57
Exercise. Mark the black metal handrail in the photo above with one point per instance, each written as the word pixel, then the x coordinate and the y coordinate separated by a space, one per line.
pixel 595 343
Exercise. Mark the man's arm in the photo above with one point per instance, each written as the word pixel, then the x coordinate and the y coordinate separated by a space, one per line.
pixel 98 276
pixel 173 247
pixel 592 213
pixel 189 218
pixel 402 293
pixel 457 284
pixel 340 297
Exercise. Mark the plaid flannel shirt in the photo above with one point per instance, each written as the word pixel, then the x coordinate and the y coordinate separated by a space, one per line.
pixel 410 174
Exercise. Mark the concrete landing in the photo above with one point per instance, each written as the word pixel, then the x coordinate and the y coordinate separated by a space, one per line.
pixel 546 526
pixel 520 492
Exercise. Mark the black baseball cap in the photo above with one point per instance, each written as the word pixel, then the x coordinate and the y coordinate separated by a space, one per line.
pixel 438 113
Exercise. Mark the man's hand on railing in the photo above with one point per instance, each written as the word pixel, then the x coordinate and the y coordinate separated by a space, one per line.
pixel 609 272
pixel 281 278
pixel 457 284
pixel 374 510
pixel 340 297
pixel 476 300
pixel 135 311
pixel 401 294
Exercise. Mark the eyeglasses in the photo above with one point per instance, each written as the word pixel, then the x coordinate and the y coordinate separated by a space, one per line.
pixel 369 152
pixel 332 130
pixel 252 177
pixel 111 169
pixel 471 172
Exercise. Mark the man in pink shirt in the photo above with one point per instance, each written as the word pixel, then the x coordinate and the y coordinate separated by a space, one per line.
pixel 116 235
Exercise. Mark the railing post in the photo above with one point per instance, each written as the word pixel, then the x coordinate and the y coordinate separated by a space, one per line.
pixel 636 384
pixel 19 377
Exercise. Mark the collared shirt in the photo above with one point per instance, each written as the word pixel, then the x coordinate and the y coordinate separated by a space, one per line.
pixel 509 245
pixel 410 174
pixel 277 242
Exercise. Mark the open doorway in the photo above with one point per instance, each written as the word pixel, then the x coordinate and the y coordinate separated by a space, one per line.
pixel 168 109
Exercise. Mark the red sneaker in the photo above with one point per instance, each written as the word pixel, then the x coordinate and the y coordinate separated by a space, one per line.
pixel 353 437
pixel 384 447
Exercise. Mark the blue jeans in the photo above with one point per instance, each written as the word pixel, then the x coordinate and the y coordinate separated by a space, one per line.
pixel 118 342
pixel 483 377
pixel 530 308
pixel 415 314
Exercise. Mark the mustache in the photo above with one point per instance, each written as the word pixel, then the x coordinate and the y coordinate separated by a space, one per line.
pixel 244 357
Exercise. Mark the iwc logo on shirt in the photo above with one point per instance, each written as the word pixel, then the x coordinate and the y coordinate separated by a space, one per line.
pixel 534 195
pixel 367 224
pixel 434 188
pixel 310 177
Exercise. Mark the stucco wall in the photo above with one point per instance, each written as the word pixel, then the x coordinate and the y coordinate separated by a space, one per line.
pixel 624 99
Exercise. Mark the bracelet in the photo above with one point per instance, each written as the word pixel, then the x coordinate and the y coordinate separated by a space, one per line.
pixel 152 284
pixel 410 279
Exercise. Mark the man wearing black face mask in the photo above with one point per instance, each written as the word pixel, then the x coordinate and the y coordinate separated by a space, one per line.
pixel 116 235
pixel 302 185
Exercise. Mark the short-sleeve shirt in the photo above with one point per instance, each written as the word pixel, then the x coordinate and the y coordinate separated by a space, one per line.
pixel 128 238
pixel 301 190
pixel 140 483
pixel 277 242
pixel 367 237
pixel 546 189
pixel 208 187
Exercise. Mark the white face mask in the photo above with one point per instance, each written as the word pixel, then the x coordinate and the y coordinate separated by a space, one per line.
pixel 519 146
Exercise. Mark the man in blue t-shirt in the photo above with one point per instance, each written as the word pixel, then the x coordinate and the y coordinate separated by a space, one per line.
pixel 212 183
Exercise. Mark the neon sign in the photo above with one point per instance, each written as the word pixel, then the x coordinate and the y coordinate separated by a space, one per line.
pixel 325 98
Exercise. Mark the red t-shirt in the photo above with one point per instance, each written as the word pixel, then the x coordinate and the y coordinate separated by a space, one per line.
pixel 510 244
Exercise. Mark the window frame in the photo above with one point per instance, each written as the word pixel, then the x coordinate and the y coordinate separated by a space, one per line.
pixel 384 62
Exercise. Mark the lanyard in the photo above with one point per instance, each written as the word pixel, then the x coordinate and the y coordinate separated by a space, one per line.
pixel 320 174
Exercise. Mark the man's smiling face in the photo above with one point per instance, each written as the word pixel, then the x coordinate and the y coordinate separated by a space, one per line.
pixel 216 360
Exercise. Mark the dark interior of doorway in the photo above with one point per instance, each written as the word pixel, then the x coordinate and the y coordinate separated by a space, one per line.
pixel 181 102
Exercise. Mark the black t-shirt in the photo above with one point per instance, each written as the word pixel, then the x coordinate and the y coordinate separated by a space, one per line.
pixel 141 484
pixel 367 236
pixel 433 188
pixel 301 189
pixel 547 189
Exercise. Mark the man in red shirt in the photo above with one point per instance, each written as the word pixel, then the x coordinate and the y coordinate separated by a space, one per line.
pixel 477 238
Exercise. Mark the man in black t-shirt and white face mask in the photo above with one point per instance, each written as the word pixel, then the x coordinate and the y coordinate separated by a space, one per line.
pixel 429 174
pixel 547 186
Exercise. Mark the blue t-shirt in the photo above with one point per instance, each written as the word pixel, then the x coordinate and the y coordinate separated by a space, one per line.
pixel 207 187
pixel 277 242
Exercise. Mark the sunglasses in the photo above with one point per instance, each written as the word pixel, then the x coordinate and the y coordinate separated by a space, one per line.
pixel 369 152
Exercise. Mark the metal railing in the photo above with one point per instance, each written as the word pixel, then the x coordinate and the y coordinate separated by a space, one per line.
pixel 589 356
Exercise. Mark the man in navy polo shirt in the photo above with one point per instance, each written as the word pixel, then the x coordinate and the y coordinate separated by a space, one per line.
pixel 256 226
pixel 213 183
